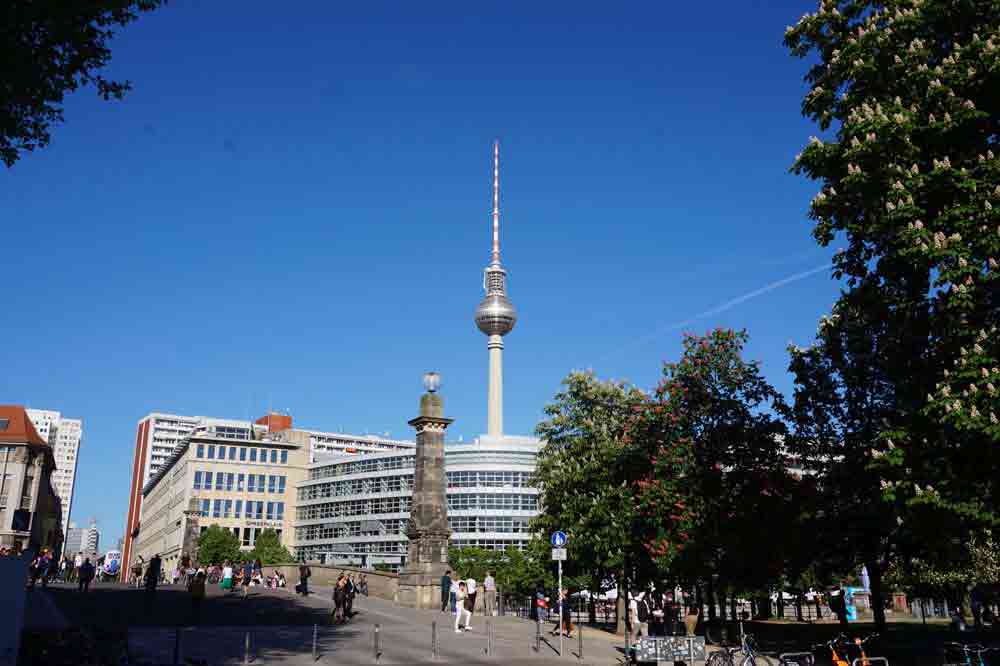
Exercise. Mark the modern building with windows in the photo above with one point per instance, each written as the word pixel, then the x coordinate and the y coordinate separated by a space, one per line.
pixel 354 510
pixel 235 474
pixel 64 436
pixel 86 540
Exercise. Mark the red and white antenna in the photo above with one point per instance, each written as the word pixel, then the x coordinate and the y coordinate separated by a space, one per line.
pixel 496 202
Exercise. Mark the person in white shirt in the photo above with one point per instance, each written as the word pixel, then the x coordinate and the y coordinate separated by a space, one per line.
pixel 470 586
pixel 460 598
pixel 454 594
pixel 227 577
pixel 490 585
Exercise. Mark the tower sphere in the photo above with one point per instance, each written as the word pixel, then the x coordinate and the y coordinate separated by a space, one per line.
pixel 496 315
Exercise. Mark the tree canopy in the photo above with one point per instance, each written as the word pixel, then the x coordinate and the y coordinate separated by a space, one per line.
pixel 268 549
pixel 216 545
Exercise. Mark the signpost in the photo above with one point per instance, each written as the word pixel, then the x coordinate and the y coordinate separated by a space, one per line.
pixel 559 554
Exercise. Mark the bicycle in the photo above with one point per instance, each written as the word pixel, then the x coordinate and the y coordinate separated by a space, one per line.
pixel 747 647
pixel 968 649
pixel 844 643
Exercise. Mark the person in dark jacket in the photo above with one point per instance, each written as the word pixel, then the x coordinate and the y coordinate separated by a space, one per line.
pixel 304 573
pixel 445 590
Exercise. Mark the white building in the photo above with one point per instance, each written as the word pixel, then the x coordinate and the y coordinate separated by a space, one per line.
pixel 355 510
pixel 64 436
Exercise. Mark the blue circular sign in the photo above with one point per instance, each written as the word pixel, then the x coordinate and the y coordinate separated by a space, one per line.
pixel 558 539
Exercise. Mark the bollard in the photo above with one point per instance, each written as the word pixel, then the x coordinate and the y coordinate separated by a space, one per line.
pixel 487 638
pixel 315 651
pixel 434 639
pixel 376 644
pixel 177 645
pixel 493 638
pixel 246 649
pixel 538 636
pixel 579 637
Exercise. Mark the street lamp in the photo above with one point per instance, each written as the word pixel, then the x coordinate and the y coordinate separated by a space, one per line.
pixel 432 381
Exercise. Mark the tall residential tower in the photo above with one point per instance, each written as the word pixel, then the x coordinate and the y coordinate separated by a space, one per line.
pixel 495 315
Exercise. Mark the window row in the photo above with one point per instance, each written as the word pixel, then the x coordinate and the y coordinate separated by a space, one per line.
pixel 328 531
pixel 240 509
pixel 387 484
pixel 242 453
pixel 354 508
pixel 362 466
pixel 490 501
pixel 483 479
pixel 502 524
pixel 232 482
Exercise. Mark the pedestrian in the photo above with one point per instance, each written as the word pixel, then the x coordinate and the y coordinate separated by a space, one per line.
pixel 304 573
pixel 85 575
pixel 77 563
pixel 540 607
pixel 185 566
pixel 339 599
pixel 227 578
pixel 453 594
pixel 566 610
pixel 838 604
pixel 153 573
pixel 63 567
pixel 640 615
pixel 351 591
pixel 247 577
pixel 461 599
pixel 363 585
pixel 196 588
pixel 490 600
pixel 471 592
pixel 52 571
pixel 34 570
pixel 445 590
pixel 137 569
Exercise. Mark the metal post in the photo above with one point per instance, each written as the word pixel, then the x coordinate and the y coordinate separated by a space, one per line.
pixel 246 649
pixel 579 636
pixel 376 646
pixel 560 620
pixel 690 640
pixel 315 651
pixel 538 631
pixel 177 645
pixel 434 639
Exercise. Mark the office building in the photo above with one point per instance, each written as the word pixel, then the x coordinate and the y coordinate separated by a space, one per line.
pixel 64 436
pixel 30 510
pixel 86 540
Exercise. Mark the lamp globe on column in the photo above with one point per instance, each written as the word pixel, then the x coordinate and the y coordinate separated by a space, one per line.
pixel 432 381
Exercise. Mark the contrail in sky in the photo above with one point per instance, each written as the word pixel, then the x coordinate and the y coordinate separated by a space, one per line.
pixel 722 307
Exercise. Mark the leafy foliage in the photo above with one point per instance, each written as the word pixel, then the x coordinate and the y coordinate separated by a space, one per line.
pixel 268 549
pixel 216 545
pixel 50 48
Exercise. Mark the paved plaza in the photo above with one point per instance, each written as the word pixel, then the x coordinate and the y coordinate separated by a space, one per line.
pixel 280 628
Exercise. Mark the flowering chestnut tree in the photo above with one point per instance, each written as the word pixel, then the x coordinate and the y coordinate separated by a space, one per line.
pixel 906 95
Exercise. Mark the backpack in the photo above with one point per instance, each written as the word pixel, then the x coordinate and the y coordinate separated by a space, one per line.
pixel 642 610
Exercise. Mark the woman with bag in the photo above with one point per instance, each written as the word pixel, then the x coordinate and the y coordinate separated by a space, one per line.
pixel 227 577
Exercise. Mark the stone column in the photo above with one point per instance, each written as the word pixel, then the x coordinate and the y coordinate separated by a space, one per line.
pixel 192 529
pixel 428 531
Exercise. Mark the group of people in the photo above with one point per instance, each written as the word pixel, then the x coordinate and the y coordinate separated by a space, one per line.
pixel 46 567
pixel 459 595
pixel 344 591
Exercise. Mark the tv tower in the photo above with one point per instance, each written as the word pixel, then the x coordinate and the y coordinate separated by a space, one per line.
pixel 495 315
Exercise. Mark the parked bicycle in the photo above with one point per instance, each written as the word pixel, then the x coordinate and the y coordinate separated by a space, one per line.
pixel 841 645
pixel 747 648
pixel 967 651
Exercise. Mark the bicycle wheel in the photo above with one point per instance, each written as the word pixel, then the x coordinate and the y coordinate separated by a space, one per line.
pixel 756 660
pixel 719 658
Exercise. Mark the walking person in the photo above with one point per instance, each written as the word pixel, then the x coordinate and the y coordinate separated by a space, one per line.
pixel 453 594
pixel 77 563
pixel 471 592
pixel 461 597
pixel 247 577
pixel 85 575
pixel 227 578
pixel 304 573
pixel 153 573
pixel 137 569
pixel 53 570
pixel 445 590
pixel 490 600
pixel 351 591
pixel 339 600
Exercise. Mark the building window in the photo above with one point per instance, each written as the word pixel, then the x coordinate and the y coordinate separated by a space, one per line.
pixel 281 513
pixel 260 483
pixel 232 453
pixel 247 536
pixel 227 508
pixel 243 453
pixel 201 451
pixel 239 509
pixel 205 504
pixel 229 481
pixel 263 455
pixel 239 482
pixel 208 481
pixel 272 484
pixel 217 508
pixel 284 457
pixel 253 455
pixel 281 484
pixel 270 511
pixel 274 456
pixel 197 480
pixel 220 480
pixel 251 483
pixel 211 451
pixel 260 511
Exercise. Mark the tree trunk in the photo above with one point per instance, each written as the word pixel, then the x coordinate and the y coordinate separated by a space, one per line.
pixel 781 601
pixel 592 608
pixel 878 593
pixel 732 607
pixel 621 607
pixel 710 594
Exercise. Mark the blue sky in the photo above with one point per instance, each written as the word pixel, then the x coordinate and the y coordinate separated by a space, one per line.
pixel 292 209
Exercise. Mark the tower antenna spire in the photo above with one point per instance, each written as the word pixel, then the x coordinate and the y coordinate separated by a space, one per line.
pixel 496 202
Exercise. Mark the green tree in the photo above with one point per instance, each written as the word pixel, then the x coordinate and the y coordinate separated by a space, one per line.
pixel 216 545
pixel 906 91
pixel 268 549
pixel 580 473
pixel 50 48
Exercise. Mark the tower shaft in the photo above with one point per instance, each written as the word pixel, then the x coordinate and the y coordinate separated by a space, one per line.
pixel 495 400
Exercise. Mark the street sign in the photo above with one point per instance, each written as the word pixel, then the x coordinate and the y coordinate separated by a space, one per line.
pixel 559 554
pixel 558 539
